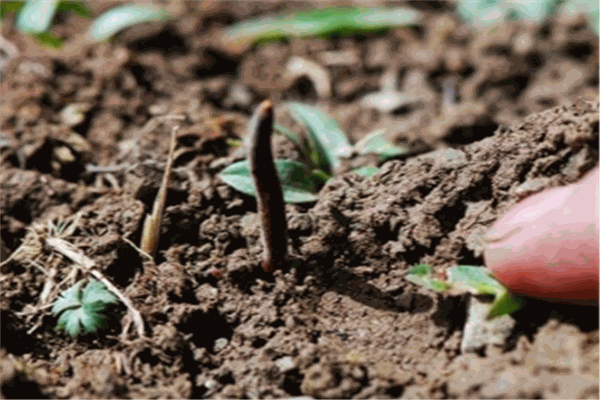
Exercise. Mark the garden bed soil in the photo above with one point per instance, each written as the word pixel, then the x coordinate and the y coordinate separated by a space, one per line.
pixel 339 319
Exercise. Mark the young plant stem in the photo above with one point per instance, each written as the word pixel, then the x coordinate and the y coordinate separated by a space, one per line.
pixel 151 229
pixel 271 208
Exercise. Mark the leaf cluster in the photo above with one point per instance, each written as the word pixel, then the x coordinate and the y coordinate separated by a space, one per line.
pixel 323 146
pixel 487 13
pixel 35 17
pixel 81 310
pixel 319 23
pixel 468 279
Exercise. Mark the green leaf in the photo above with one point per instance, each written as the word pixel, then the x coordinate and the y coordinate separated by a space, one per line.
pixel 10 6
pixel 68 299
pixel 376 143
pixel 329 142
pixel 36 16
pixel 234 143
pixel 82 308
pixel 327 21
pixel 321 175
pixel 476 280
pixel 78 7
pixel 422 275
pixel 50 40
pixel 366 171
pixel 294 138
pixel 123 17
pixel 482 14
pixel 95 292
pixel 504 303
pixel 589 8
pixel 297 181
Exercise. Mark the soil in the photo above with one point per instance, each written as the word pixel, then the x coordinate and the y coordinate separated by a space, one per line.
pixel 339 320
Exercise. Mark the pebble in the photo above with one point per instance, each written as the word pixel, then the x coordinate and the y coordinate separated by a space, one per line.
pixel 240 95
pixel 298 67
pixel 220 344
pixel 386 101
pixel 285 364
pixel 480 332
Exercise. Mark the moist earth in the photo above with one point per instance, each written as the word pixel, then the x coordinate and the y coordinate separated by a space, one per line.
pixel 339 319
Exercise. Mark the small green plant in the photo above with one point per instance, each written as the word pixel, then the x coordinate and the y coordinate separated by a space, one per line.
pixel 471 279
pixel 487 13
pixel 81 310
pixel 323 148
pixel 318 23
pixel 35 17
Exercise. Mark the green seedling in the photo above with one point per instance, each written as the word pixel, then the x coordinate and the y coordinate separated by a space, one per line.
pixel 299 184
pixel 376 143
pixel 318 23
pixel 35 18
pixel 488 13
pixel 468 279
pixel 324 146
pixel 81 310
pixel 481 14
pixel 328 142
pixel 119 18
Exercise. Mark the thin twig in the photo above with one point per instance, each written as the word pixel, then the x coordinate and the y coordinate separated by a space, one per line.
pixel 67 250
pixel 142 252
pixel 271 207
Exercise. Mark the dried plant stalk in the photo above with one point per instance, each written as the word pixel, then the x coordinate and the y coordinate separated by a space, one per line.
pixel 151 230
pixel 271 207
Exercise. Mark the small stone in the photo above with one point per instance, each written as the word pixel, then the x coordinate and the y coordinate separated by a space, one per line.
pixel 210 384
pixel 285 364
pixel 220 344
pixel 386 101
pixel 205 249
pixel 480 332
pixel 200 354
pixel 240 95
pixel 298 67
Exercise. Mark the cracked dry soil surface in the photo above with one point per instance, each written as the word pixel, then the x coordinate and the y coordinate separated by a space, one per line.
pixel 339 320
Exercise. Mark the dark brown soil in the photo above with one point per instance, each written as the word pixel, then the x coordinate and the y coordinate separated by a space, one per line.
pixel 339 320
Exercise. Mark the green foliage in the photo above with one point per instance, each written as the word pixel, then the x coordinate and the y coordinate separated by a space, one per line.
pixel 112 21
pixel 323 147
pixel 485 13
pixel 491 12
pixel 463 278
pixel 367 171
pixel 297 181
pixel 589 8
pixel 35 17
pixel 375 143
pixel 328 142
pixel 49 40
pixel 80 310
pixel 422 275
pixel 10 6
pixel 77 7
pixel 315 23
